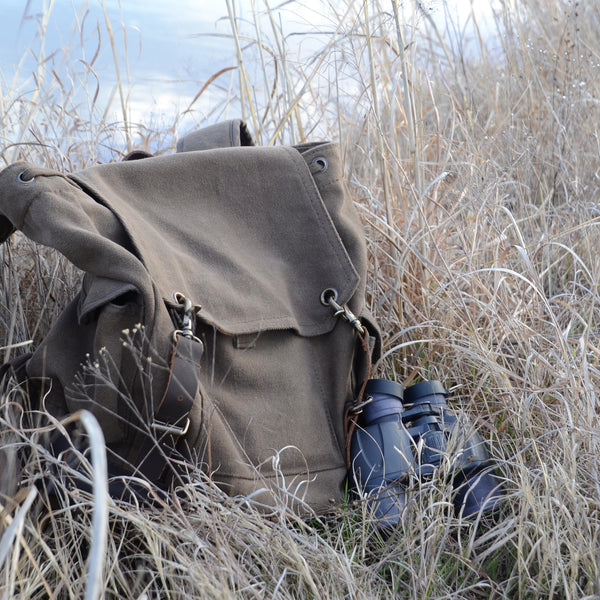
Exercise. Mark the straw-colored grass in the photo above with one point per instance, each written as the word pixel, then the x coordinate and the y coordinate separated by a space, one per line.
pixel 477 178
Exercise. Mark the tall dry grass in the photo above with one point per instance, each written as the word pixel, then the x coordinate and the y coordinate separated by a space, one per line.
pixel 477 177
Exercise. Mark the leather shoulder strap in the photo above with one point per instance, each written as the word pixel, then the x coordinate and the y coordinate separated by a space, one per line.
pixel 221 135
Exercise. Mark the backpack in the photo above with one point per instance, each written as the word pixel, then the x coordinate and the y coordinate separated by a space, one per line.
pixel 221 320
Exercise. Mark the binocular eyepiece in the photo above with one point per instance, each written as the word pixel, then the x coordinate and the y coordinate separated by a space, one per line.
pixel 408 433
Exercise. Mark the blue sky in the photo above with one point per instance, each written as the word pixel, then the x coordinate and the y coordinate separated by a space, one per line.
pixel 169 44
pixel 174 46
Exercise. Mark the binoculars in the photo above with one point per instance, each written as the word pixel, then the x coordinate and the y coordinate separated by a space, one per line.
pixel 405 433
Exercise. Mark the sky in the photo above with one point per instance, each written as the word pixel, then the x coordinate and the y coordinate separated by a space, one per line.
pixel 173 46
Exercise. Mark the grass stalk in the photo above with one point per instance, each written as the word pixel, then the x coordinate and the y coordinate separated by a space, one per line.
pixel 409 104
pixel 246 99
pixel 383 166
pixel 120 86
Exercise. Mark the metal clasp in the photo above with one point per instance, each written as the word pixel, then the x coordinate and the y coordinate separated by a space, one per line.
pixel 358 408
pixel 329 298
pixel 188 317
pixel 162 427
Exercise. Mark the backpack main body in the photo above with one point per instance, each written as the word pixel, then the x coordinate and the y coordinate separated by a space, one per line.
pixel 202 331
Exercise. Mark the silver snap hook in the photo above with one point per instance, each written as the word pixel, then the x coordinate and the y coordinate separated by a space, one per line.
pixel 329 297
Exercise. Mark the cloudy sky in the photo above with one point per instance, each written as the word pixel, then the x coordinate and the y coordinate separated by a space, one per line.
pixel 173 46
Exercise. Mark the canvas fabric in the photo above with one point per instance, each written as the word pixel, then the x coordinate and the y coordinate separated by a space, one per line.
pixel 251 236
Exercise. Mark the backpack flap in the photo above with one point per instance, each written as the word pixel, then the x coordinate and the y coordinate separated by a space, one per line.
pixel 244 232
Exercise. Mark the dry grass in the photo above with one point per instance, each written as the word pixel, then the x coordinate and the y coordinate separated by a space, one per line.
pixel 477 179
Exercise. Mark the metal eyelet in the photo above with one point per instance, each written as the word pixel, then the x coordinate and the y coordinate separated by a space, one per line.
pixel 328 295
pixel 321 162
pixel 24 178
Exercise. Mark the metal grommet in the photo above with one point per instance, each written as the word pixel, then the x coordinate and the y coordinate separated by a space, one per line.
pixel 328 295
pixel 24 178
pixel 321 162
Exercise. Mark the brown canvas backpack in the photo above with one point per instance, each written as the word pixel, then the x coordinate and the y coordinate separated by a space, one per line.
pixel 221 319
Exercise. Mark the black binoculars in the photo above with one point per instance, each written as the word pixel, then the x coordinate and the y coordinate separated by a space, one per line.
pixel 404 433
